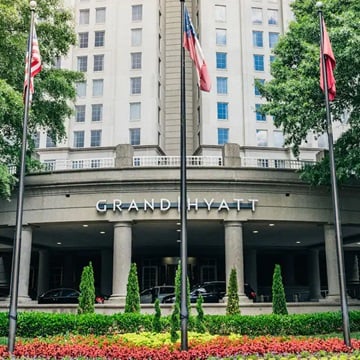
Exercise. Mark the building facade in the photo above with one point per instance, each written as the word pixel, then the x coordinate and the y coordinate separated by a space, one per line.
pixel 110 192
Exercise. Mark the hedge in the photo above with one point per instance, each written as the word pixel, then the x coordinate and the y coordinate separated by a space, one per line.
pixel 33 324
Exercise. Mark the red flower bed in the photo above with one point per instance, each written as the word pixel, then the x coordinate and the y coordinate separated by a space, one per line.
pixel 102 347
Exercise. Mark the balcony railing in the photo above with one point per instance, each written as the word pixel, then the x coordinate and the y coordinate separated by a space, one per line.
pixel 168 161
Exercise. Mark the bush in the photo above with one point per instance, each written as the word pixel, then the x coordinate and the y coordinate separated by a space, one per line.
pixel 199 322
pixel 233 306
pixel 132 302
pixel 156 321
pixel 278 293
pixel 87 291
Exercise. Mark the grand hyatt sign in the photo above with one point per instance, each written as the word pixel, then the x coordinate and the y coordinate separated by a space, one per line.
pixel 116 205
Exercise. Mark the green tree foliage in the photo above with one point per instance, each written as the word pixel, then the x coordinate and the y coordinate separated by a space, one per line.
pixel 53 87
pixel 132 302
pixel 278 293
pixel 294 96
pixel 199 321
pixel 156 323
pixel 87 291
pixel 233 306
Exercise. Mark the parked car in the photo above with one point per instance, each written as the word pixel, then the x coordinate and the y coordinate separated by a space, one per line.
pixel 59 296
pixel 211 292
pixel 148 296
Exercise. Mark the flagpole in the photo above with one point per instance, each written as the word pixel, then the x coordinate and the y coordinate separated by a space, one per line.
pixel 183 208
pixel 14 285
pixel 335 197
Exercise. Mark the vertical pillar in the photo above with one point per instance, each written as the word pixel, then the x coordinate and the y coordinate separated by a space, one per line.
pixel 106 272
pixel 234 257
pixel 314 275
pixel 24 269
pixel 332 267
pixel 43 272
pixel 121 261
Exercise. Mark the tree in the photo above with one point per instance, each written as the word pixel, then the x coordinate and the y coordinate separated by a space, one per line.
pixel 87 291
pixel 199 321
pixel 294 96
pixel 156 323
pixel 233 306
pixel 278 293
pixel 54 87
pixel 132 302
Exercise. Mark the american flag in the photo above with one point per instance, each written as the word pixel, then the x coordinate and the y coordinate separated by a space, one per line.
pixel 35 65
pixel 191 43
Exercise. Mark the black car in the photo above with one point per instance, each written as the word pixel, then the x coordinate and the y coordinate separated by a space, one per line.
pixel 59 296
pixel 211 292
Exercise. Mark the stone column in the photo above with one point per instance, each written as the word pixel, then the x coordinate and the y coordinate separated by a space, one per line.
pixel 43 272
pixel 314 275
pixel 106 272
pixel 332 267
pixel 24 268
pixel 121 261
pixel 234 257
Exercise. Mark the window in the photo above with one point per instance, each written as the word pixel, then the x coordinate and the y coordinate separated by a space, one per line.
pixel 78 139
pixel 273 17
pixel 256 16
pixel 83 40
pixel 222 111
pixel 256 90
pixel 80 113
pixel 135 85
pixel 272 58
pixel 84 16
pixel 95 138
pixel 278 138
pixel 135 136
pixel 98 87
pixel 259 116
pixel 96 112
pixel 223 136
pixel 136 12
pixel 259 62
pixel 49 140
pixel 36 139
pixel 136 37
pixel 220 36
pixel 136 60
pixel 100 15
pixel 258 39
pixel 261 138
pixel 81 88
pixel 135 111
pixel 220 13
pixel 273 39
pixel 82 63
pixel 99 38
pixel 221 60
pixel 222 85
pixel 98 62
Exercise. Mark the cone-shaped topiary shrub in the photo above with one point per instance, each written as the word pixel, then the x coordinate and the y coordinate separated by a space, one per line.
pixel 156 324
pixel 87 291
pixel 278 293
pixel 132 302
pixel 233 307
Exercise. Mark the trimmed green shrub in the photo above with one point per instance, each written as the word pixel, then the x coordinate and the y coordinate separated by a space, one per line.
pixel 132 302
pixel 278 293
pixel 157 316
pixel 199 321
pixel 233 306
pixel 87 291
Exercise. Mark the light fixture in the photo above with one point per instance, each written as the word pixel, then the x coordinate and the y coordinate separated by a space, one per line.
pixel 298 242
pixel 255 231
pixel 271 224
pixel 85 225
pixel 102 232
pixel 59 243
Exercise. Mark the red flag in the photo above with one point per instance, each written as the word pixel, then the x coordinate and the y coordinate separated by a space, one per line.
pixel 330 64
pixel 35 64
pixel 191 43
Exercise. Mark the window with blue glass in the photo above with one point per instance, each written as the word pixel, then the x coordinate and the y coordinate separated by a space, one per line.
pixel 256 90
pixel 222 85
pixel 259 62
pixel 259 116
pixel 273 39
pixel 258 39
pixel 222 111
pixel 223 136
pixel 221 60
